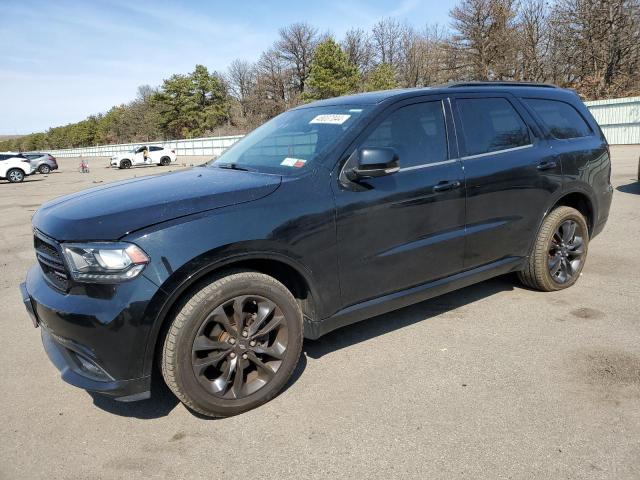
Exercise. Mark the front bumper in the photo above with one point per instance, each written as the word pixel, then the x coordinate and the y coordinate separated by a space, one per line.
pixel 96 336
pixel 73 372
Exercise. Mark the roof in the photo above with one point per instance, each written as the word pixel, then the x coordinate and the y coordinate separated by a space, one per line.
pixel 373 98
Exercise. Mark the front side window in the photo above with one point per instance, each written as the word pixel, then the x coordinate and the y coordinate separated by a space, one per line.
pixel 416 132
pixel 292 141
pixel 491 125
pixel 562 120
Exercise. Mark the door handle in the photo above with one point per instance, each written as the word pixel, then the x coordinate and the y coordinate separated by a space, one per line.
pixel 546 165
pixel 445 186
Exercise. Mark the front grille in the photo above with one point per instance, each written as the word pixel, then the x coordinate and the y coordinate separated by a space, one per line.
pixel 51 262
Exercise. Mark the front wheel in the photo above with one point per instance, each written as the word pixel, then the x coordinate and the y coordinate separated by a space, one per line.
pixel 124 164
pixel 559 252
pixel 15 175
pixel 233 344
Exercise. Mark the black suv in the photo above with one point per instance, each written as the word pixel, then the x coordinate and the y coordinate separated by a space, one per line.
pixel 328 214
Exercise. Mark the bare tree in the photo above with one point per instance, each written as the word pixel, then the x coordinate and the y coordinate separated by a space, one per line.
pixel 598 44
pixel 241 78
pixel 387 41
pixel 295 46
pixel 534 40
pixel 270 97
pixel 358 49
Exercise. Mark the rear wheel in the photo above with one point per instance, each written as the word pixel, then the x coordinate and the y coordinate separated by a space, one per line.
pixel 164 161
pixel 15 175
pixel 559 252
pixel 125 164
pixel 233 344
pixel 44 169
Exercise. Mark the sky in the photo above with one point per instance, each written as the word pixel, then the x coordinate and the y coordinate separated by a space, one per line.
pixel 61 61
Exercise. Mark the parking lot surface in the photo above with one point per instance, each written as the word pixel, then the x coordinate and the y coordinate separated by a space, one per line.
pixel 492 381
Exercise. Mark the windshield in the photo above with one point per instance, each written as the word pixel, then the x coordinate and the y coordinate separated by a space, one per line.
pixel 291 141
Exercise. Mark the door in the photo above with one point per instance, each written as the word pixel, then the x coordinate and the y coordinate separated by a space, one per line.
pixel 407 228
pixel 511 175
pixel 138 158
pixel 155 153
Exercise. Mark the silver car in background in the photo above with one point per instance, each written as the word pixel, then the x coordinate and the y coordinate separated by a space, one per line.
pixel 41 162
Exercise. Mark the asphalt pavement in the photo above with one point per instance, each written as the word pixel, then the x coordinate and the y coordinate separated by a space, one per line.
pixel 493 381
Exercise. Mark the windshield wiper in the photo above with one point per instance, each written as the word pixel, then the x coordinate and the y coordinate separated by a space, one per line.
pixel 231 166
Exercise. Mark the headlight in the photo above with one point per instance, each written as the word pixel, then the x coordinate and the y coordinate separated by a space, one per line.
pixel 104 262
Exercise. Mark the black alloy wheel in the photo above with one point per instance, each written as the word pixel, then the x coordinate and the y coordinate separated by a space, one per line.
pixel 125 164
pixel 559 251
pixel 566 252
pixel 239 346
pixel 233 344
pixel 164 161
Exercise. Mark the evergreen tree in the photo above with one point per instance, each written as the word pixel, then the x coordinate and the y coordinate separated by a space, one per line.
pixel 382 77
pixel 331 73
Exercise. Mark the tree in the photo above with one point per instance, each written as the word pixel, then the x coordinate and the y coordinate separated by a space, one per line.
pixel 534 40
pixel 192 105
pixel 331 73
pixel 386 38
pixel 596 46
pixel 242 78
pixel 486 36
pixel 382 77
pixel 295 46
pixel 358 49
pixel 272 85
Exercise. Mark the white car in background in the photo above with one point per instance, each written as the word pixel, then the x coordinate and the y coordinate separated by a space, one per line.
pixel 14 166
pixel 156 156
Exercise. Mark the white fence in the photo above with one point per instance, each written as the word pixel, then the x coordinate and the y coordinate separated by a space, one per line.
pixel 618 117
pixel 210 147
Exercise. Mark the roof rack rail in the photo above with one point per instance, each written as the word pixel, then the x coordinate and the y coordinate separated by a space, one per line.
pixel 498 83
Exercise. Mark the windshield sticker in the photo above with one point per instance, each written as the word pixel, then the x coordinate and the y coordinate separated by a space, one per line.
pixel 330 118
pixel 293 162
pixel 355 110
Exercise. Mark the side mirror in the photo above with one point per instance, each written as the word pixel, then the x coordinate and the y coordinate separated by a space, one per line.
pixel 374 162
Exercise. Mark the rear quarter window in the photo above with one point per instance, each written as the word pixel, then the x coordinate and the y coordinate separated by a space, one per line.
pixel 491 125
pixel 561 119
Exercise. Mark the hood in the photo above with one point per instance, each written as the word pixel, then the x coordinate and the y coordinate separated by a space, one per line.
pixel 111 211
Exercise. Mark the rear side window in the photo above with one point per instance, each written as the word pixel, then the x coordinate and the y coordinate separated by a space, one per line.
pixel 417 133
pixel 155 149
pixel 3 157
pixel 491 125
pixel 562 120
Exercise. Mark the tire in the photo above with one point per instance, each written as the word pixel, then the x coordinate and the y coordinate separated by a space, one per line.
pixel 164 161
pixel 124 164
pixel 202 344
pixel 15 175
pixel 558 255
pixel 44 169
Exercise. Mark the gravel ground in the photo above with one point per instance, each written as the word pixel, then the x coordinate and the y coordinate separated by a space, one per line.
pixel 493 381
